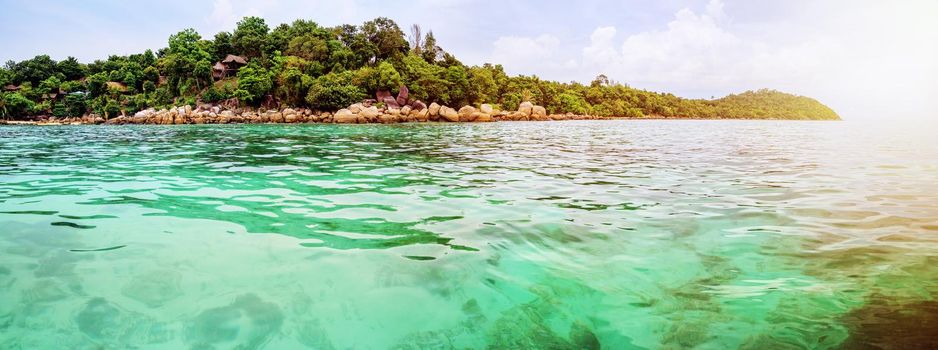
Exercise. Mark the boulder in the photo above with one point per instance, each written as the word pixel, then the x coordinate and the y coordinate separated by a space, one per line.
pixel 449 114
pixel 434 109
pixel 405 110
pixel 465 113
pixel 356 108
pixel 525 108
pixel 480 117
pixel 388 118
pixel 394 111
pixel 390 102
pixel 290 118
pixel 344 116
pixel 289 111
pixel 421 115
pixel 539 113
pixel 486 108
pixel 276 117
pixel 403 95
pixel 370 112
pixel 418 105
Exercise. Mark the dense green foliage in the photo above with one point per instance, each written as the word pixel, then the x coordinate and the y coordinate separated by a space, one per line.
pixel 303 64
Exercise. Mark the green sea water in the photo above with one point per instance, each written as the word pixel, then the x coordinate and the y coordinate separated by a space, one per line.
pixel 579 235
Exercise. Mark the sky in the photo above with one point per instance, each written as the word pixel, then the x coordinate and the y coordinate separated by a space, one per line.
pixel 867 59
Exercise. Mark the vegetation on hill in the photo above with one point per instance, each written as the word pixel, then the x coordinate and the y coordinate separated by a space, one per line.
pixel 303 64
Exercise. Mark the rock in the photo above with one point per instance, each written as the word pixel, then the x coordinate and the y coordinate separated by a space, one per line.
pixel 388 118
pixel 449 114
pixel 405 110
pixel 403 95
pixel 486 108
pixel 390 102
pixel 465 113
pixel 526 108
pixel 289 111
pixel 539 113
pixel 275 117
pixel 344 116
pixel 422 115
pixel 480 117
pixel 356 108
pixel 290 118
pixel 434 109
pixel 370 112
pixel 394 111
pixel 418 105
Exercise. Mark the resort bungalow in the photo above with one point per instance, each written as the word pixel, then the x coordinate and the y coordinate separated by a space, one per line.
pixel 11 87
pixel 228 67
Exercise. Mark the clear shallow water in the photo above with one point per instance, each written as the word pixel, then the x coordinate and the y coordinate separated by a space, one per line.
pixel 643 234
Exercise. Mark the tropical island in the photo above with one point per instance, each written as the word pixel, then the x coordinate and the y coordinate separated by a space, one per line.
pixel 306 73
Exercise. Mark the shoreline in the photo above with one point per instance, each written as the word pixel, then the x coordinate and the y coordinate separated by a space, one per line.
pixel 355 114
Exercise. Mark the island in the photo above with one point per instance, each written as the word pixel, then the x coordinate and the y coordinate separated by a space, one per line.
pixel 306 73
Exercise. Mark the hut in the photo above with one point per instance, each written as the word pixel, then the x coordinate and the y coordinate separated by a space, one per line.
pixel 11 87
pixel 228 66
pixel 218 70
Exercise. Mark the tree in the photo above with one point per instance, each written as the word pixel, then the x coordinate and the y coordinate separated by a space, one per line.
pixel 203 73
pixel 483 86
pixel 600 81
pixel 33 70
pixel 430 51
pixel 416 39
pixel 111 109
pixel 250 37
pixel 75 104
pixel 333 91
pixel 387 38
pixel 5 77
pixel 70 69
pixel 222 45
pixel 17 105
pixel 97 84
pixel 382 77
pixel 253 84
pixel 359 44
pixel 308 46
pixel 50 86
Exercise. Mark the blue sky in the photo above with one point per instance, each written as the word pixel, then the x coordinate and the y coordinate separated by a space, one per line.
pixel 866 59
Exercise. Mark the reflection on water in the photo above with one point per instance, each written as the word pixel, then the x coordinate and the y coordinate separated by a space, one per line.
pixel 580 235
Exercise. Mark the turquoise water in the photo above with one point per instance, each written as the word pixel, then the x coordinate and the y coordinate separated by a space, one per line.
pixel 615 235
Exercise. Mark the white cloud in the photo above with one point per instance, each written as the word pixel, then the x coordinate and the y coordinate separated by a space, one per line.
pixel 223 15
pixel 865 61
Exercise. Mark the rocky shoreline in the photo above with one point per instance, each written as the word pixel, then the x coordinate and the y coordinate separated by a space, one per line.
pixel 359 113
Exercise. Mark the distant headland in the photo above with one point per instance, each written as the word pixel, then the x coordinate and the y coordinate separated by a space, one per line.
pixel 306 73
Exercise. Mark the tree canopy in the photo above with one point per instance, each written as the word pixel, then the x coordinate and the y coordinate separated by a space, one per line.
pixel 304 64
